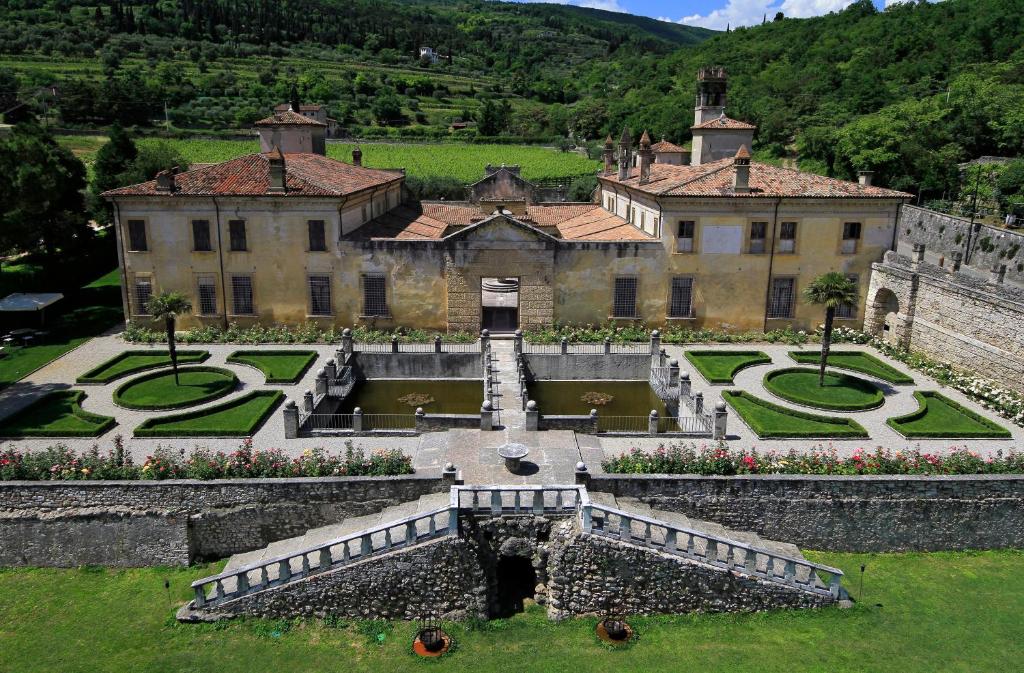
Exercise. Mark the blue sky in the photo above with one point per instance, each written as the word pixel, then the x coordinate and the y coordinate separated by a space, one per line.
pixel 718 13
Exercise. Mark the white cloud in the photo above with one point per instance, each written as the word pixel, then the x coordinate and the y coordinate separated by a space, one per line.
pixel 751 12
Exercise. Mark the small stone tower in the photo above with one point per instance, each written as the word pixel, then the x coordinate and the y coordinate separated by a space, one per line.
pixel 625 154
pixel 646 155
pixel 292 133
pixel 711 88
pixel 609 154
pixel 715 136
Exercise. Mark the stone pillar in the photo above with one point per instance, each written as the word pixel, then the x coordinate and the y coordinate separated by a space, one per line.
pixel 307 402
pixel 684 385
pixel 517 342
pixel 487 416
pixel 357 419
pixel 593 421
pixel 721 416
pixel 565 345
pixel 917 254
pixel 655 348
pixel 394 344
pixel 532 416
pixel 346 341
pixel 958 258
pixel 449 475
pixel 673 373
pixel 998 274
pixel 582 474
pixel 652 423
pixel 291 419
pixel 320 386
pixel 485 339
pixel 421 418
pixel 607 345
pixel 698 403
pixel 437 343
pixel 331 369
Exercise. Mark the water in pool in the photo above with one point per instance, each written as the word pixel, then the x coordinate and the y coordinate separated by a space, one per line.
pixel 628 398
pixel 403 396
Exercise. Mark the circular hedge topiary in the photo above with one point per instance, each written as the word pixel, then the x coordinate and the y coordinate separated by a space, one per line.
pixel 158 390
pixel 841 392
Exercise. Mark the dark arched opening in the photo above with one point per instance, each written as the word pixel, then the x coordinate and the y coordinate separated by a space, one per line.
pixel 517 581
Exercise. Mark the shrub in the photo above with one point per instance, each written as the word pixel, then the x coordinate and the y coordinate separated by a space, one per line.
pixel 306 333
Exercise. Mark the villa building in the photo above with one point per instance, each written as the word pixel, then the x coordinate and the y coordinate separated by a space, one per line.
pixel 288 235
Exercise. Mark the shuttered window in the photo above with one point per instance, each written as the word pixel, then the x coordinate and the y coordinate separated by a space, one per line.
pixel 137 236
pixel 237 231
pixel 201 235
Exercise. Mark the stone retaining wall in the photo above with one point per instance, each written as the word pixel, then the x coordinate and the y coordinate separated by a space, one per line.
pixel 141 523
pixel 867 513
pixel 418 365
pixel 597 366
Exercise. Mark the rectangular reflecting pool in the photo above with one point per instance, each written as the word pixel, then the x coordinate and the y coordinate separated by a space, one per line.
pixel 403 396
pixel 621 398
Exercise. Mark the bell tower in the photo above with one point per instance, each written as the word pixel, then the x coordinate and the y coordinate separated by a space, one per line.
pixel 711 99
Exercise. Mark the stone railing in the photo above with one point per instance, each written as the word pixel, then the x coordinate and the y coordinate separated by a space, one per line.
pixel 350 345
pixel 566 348
pixel 497 500
pixel 712 550
pixel 715 420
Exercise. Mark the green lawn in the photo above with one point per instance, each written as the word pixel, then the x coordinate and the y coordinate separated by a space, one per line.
pixel 941 417
pixel 840 392
pixel 57 414
pixel 132 362
pixel 238 418
pixel 769 420
pixel 91 310
pixel 97 620
pixel 160 391
pixel 720 366
pixel 857 361
pixel 282 366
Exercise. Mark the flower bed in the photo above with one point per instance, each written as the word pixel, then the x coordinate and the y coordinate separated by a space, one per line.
pixel 57 414
pixel 719 460
pixel 132 362
pixel 841 392
pixel 306 333
pixel 942 418
pixel 160 391
pixel 61 463
pixel 632 332
pixel 770 421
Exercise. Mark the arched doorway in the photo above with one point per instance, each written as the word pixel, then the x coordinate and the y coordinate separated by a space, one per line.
pixel 517 581
pixel 884 308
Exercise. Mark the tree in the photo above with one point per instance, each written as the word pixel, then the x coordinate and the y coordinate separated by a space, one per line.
pixel 830 290
pixel 113 161
pixel 387 108
pixel 167 306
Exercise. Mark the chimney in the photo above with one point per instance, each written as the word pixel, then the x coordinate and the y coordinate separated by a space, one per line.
pixel 165 180
pixel 277 171
pixel 625 154
pixel 357 156
pixel 646 158
pixel 609 154
pixel 741 175
pixel 865 177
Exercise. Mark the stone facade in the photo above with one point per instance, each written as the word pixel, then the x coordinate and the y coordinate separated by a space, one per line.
pixel 955 317
pixel 862 514
pixel 141 523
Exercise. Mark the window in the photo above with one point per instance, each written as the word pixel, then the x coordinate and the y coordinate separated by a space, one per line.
pixel 207 294
pixel 787 237
pixel 320 294
pixel 241 295
pixel 201 235
pixel 758 233
pixel 143 293
pixel 680 304
pixel 780 301
pixel 364 214
pixel 848 311
pixel 632 214
pixel 237 231
pixel 137 236
pixel 624 301
pixel 684 242
pixel 317 236
pixel 375 300
pixel 643 220
pixel 851 235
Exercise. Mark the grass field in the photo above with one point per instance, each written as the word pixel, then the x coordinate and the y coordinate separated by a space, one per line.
pixel 941 417
pixel 241 417
pixel 914 619
pixel 94 308
pixel 159 390
pixel 840 392
pixel 132 362
pixel 463 162
pixel 769 420
pixel 277 366
pixel 718 366
pixel 57 414
pixel 856 361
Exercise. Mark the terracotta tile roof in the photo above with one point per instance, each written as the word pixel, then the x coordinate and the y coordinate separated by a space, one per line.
pixel 724 122
pixel 283 107
pixel 597 224
pixel 554 214
pixel 249 175
pixel 715 179
pixel 419 221
pixel 288 118
pixel 666 146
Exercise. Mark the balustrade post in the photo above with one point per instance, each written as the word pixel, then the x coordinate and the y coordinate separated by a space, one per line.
pixel 517 342
pixel 673 373
pixel 325 558
pixel 588 518
pixel 394 344
pixel 357 419
pixel 485 341
pixel 347 345
pixel 711 551
pixel 453 520
pixel 437 343
pixel 721 420
pixel 670 540
pixel 331 369
pixel 487 416
pixel 410 532
pixel 241 583
pixel 495 502
pixel 321 383
pixel 652 423
pixel 835 584
pixel 290 411
pixel 698 403
pixel 607 345
pixel 655 348
pixel 538 502
pixel 365 545
pixel 307 402
pixel 565 345
pixel 684 387
pixel 789 574
pixel 625 528
pixel 421 420
pixel 284 570
pixel 532 416
pixel 750 562
pixel 593 421
pixel 200 592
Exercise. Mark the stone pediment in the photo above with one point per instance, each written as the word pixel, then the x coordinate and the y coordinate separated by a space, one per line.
pixel 500 228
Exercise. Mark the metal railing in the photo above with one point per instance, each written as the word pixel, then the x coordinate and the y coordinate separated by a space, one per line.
pixel 358 422
pixel 710 549
pixel 635 424
pixel 587 348
pixel 408 347
pixel 341 385
pixel 689 425
pixel 389 421
pixel 315 422
pixel 661 383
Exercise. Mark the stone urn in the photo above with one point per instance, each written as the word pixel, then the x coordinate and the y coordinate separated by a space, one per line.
pixel 513 455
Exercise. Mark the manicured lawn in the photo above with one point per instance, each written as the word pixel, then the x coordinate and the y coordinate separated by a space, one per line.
pixel 237 418
pixel 132 362
pixel 941 417
pixel 57 414
pixel 718 366
pixel 97 620
pixel 841 392
pixel 281 366
pixel 160 391
pixel 92 310
pixel 857 361
pixel 769 420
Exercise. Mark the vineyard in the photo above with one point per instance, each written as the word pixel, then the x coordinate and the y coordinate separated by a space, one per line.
pixel 462 162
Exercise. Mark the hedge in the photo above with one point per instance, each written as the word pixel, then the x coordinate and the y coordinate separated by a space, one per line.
pixel 151 426
pixel 995 431
pixel 853 429
pixel 822 400
pixel 221 392
pixel 92 376
pixel 74 397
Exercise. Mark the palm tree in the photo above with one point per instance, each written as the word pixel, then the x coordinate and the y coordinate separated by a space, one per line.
pixel 830 290
pixel 167 306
